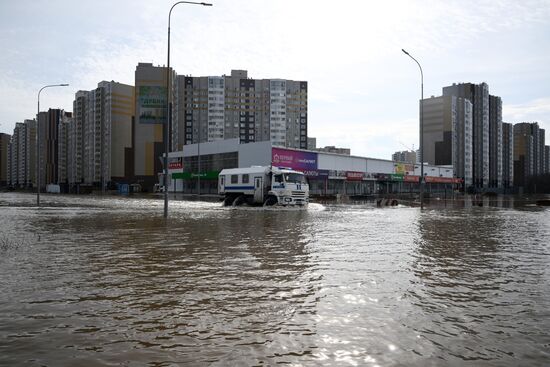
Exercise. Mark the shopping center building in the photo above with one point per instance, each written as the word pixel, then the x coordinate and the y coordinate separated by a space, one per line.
pixel 196 168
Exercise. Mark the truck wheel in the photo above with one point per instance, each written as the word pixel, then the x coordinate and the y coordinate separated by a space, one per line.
pixel 239 200
pixel 270 201
pixel 228 201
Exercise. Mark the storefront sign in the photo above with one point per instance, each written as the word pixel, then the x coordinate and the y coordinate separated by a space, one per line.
pixel 175 163
pixel 396 177
pixel 411 178
pixel 298 160
pixel 320 174
pixel 354 176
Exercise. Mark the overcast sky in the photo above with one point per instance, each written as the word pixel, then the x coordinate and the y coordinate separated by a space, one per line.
pixel 363 91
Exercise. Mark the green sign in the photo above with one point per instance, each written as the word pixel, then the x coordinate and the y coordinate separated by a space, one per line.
pixel 209 175
pixel 396 177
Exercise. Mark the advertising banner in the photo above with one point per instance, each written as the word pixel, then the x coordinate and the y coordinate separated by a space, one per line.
pixel 300 161
pixel 403 168
pixel 152 105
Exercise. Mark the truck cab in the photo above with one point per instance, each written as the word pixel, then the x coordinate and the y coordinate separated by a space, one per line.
pixel 289 187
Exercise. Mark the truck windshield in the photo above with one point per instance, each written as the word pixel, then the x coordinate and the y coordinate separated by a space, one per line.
pixel 295 178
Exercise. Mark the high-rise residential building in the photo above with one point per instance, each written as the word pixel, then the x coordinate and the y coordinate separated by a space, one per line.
pixel 232 106
pixel 495 141
pixel 4 149
pixel 311 143
pixel 75 137
pixel 546 159
pixel 151 117
pixel 507 155
pixel 22 155
pixel 527 155
pixel 99 136
pixel 63 150
pixel 407 156
pixel 48 153
pixel 478 95
pixel 448 133
pixel 540 157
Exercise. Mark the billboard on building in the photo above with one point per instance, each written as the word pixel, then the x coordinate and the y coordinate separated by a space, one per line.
pixel 298 160
pixel 152 104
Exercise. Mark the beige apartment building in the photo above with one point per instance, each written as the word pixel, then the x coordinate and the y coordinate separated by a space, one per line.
pixel 150 119
pixel 99 137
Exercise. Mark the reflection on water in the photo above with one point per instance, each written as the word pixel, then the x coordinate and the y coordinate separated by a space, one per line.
pixel 92 281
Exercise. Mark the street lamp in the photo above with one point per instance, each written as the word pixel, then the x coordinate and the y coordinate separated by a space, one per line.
pixel 168 126
pixel 38 141
pixel 421 130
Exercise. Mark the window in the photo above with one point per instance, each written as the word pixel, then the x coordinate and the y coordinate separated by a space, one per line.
pixel 234 179
pixel 245 179
pixel 278 178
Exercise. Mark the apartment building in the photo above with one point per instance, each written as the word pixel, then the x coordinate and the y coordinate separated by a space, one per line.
pixel 407 156
pixel 495 141
pixel 448 133
pixel 478 95
pixel 99 136
pixel 526 152
pixel 507 155
pixel 150 119
pixel 4 162
pixel 212 108
pixel 22 156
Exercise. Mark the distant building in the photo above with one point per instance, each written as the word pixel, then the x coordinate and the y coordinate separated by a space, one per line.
pixel 478 95
pixel 527 152
pixel 495 142
pixel 311 143
pixel 333 149
pixel 62 148
pixel 507 155
pixel 406 156
pixel 48 124
pixel 150 119
pixel 22 155
pixel 99 137
pixel 4 149
pixel 212 108
pixel 547 159
pixel 540 157
pixel 448 134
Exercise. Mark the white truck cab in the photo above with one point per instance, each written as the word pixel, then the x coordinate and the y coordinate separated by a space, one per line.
pixel 263 185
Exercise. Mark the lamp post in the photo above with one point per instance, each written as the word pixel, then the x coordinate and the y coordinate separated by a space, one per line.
pixel 38 140
pixel 421 130
pixel 168 126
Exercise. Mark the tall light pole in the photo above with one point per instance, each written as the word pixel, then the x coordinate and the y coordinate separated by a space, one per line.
pixel 421 130
pixel 168 126
pixel 38 140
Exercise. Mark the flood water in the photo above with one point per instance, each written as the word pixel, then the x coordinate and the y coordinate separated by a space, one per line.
pixel 108 281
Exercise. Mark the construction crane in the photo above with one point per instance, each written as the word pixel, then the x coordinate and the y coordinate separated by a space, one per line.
pixel 412 150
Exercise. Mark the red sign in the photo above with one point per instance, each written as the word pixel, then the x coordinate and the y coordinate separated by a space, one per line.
pixel 354 176
pixel 411 178
pixel 175 163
